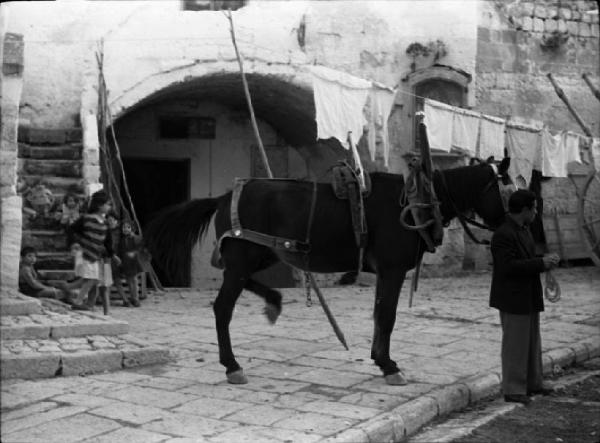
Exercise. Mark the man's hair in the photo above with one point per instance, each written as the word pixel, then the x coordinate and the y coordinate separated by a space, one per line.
pixel 98 199
pixel 27 250
pixel 520 199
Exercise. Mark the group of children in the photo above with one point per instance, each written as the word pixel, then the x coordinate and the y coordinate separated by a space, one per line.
pixel 101 252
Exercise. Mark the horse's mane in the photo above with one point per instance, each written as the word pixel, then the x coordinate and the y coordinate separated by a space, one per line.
pixel 462 182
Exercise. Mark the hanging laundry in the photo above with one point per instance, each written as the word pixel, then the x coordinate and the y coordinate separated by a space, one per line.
pixel 491 137
pixel 523 145
pixel 570 141
pixel 438 121
pixel 465 130
pixel 595 152
pixel 378 109
pixel 554 160
pixel 339 102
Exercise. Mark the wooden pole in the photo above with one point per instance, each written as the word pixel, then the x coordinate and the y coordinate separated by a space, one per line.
pixel 595 90
pixel 336 328
pixel 564 98
pixel 248 98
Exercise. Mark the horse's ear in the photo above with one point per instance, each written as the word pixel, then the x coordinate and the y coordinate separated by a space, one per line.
pixel 504 164
pixel 474 161
pixel 490 160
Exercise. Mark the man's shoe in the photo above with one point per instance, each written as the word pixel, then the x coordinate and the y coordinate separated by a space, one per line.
pixel 540 391
pixel 517 398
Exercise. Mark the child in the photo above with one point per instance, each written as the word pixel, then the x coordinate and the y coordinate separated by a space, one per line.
pixel 115 263
pixel 30 283
pixel 130 265
pixel 90 234
pixel 69 214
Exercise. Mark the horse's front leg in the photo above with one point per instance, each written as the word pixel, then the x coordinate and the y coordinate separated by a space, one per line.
pixel 389 284
pixel 230 290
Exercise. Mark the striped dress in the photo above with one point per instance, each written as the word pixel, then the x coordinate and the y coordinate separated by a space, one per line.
pixel 91 238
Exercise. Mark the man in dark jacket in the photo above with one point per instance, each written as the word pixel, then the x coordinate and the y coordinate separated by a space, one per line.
pixel 517 293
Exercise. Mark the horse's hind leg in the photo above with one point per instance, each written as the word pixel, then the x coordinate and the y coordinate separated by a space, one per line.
pixel 271 296
pixel 232 286
pixel 386 302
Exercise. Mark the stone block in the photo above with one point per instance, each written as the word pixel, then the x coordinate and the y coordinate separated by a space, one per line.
pixel 91 173
pixel 483 386
pixel 540 11
pixel 550 25
pixel 16 332
pixel 561 26
pixel 113 327
pixel 450 398
pixel 90 362
pixel 10 241
pixel 595 29
pixel 584 30
pixel 416 413
pixel 145 356
pixel 538 25
pixel 30 366
pixel 509 36
pixel 527 9
pixel 483 34
pixel 91 156
pixel 527 23
pixel 565 13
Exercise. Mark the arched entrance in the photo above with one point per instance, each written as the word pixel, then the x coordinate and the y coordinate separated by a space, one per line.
pixel 191 139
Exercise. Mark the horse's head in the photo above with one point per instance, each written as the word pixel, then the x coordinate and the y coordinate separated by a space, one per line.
pixel 491 203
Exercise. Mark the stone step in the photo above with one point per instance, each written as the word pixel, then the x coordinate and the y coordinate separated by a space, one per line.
pixel 57 185
pixel 52 167
pixel 76 356
pixel 41 136
pixel 46 239
pixel 71 151
pixel 54 324
pixel 61 260
pixel 14 303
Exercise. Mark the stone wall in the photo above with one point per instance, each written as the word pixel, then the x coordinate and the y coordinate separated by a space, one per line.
pixel 10 203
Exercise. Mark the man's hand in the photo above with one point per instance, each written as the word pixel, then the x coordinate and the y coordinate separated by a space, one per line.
pixel 551 260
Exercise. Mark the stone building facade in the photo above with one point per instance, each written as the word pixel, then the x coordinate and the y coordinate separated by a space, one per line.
pixel 176 100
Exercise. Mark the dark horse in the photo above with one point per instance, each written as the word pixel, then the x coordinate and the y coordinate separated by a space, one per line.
pixel 282 208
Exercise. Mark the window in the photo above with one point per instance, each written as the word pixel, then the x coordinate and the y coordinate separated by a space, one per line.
pixel 212 5
pixel 187 127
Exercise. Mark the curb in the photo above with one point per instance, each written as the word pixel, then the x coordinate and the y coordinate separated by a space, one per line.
pixel 406 419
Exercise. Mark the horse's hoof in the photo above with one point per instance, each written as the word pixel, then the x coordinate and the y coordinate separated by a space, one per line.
pixel 237 377
pixel 272 313
pixel 395 379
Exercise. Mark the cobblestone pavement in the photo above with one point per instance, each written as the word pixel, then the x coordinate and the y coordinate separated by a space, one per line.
pixel 303 385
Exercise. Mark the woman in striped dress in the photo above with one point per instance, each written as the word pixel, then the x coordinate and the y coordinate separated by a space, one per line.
pixel 91 248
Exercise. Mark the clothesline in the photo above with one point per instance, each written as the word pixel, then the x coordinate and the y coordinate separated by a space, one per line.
pixel 530 146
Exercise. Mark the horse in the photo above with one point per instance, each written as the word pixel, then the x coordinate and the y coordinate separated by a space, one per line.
pixel 282 208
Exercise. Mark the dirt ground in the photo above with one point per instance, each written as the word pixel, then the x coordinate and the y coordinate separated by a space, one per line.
pixel 568 415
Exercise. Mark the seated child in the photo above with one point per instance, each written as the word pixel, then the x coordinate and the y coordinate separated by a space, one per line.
pixel 30 283
pixel 69 214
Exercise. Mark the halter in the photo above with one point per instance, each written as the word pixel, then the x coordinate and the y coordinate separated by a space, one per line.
pixel 504 190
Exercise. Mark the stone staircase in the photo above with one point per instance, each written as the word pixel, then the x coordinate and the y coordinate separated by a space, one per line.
pixel 54 158
pixel 44 338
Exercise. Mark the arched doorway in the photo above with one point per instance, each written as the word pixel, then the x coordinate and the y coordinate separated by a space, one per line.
pixel 190 140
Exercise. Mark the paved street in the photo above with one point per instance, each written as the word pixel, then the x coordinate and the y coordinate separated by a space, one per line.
pixel 303 385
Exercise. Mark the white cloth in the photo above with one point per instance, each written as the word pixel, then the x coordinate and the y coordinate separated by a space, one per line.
pixel 491 137
pixel 595 152
pixel 85 268
pixel 339 102
pixel 570 140
pixel 523 145
pixel 378 111
pixel 438 121
pixel 465 131
pixel 554 159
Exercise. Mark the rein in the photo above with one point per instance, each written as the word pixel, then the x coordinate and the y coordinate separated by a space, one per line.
pixel 462 218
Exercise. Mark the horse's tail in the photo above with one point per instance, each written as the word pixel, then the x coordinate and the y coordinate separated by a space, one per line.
pixel 174 231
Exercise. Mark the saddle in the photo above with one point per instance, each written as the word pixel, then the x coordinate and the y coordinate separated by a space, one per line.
pixel 346 186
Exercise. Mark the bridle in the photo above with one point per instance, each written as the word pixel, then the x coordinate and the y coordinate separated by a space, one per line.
pixel 504 190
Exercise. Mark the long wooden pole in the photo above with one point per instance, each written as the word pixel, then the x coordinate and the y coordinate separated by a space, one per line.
pixel 565 100
pixel 595 90
pixel 263 153
pixel 265 159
